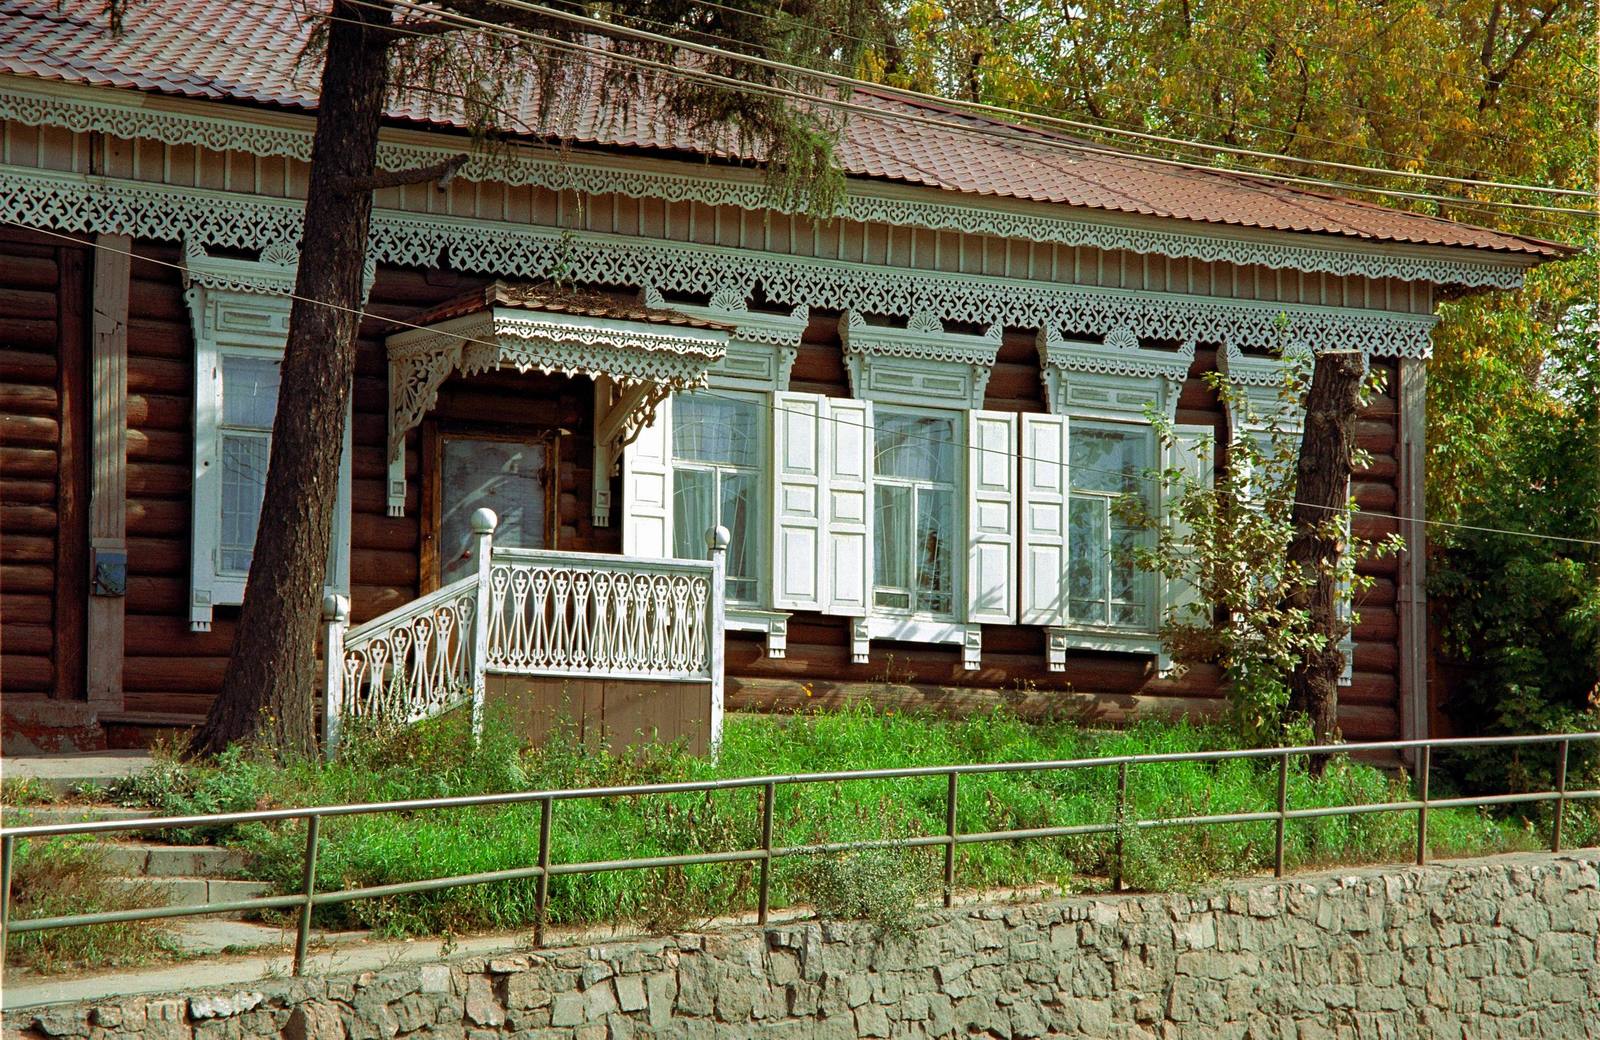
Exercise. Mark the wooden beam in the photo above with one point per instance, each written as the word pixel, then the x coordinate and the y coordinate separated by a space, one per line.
pixel 108 491
pixel 1411 587
pixel 72 514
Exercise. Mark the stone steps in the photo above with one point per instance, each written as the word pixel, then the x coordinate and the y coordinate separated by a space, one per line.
pixel 137 859
pixel 192 891
pixel 25 815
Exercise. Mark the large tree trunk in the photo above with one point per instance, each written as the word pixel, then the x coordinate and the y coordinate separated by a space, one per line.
pixel 1322 485
pixel 269 690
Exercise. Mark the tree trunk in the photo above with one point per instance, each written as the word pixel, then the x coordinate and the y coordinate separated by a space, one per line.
pixel 269 690
pixel 1322 487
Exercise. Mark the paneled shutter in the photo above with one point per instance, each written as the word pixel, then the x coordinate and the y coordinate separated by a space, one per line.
pixel 847 551
pixel 647 489
pixel 1044 520
pixel 1193 452
pixel 992 517
pixel 799 455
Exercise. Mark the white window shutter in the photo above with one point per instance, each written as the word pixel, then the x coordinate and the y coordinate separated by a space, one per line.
pixel 1193 452
pixel 847 552
pixel 992 517
pixel 799 456
pixel 647 489
pixel 1044 520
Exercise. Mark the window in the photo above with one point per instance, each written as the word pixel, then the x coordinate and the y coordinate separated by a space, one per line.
pixel 717 474
pixel 507 476
pixel 914 510
pixel 1107 461
pixel 249 402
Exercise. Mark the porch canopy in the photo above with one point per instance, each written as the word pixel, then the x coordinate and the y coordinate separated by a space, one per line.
pixel 636 354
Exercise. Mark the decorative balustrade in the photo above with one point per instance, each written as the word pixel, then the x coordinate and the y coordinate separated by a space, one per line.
pixel 528 612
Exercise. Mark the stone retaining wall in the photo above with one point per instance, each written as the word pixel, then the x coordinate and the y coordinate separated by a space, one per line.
pixel 1480 949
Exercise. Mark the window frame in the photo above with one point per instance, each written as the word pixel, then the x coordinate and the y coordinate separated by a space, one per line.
pixel 227 323
pixel 1149 587
pixel 760 524
pixel 957 491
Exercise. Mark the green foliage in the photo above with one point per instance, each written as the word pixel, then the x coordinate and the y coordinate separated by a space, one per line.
pixel 1228 540
pixel 60 876
pixel 438 758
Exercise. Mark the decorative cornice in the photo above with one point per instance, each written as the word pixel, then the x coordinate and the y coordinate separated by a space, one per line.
pixel 1255 370
pixel 1120 355
pixel 72 202
pixel 730 307
pixel 289 136
pixel 923 338
pixel 919 364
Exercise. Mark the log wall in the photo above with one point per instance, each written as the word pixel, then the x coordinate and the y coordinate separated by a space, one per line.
pixel 172 673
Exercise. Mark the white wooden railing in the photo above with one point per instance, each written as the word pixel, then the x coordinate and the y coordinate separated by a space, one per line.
pixel 528 612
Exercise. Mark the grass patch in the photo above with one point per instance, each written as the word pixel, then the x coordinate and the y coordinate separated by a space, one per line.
pixel 60 876
pixel 438 759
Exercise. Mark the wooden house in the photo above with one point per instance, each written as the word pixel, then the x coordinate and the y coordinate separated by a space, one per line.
pixel 911 416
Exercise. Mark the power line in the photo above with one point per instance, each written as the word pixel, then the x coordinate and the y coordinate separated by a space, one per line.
pixel 361 313
pixel 992 132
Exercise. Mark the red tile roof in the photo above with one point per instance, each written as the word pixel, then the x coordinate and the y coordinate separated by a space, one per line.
pixel 249 52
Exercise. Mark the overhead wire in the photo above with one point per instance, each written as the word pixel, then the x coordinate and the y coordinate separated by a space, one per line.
pixel 363 313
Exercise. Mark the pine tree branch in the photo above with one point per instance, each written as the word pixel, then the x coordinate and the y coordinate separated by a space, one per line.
pixel 443 172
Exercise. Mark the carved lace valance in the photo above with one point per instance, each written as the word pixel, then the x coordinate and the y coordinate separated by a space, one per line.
pixel 642 353
pixel 1119 378
pixel 920 364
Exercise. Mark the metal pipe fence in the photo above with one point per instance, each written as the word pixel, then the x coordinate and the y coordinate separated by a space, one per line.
pixel 308 898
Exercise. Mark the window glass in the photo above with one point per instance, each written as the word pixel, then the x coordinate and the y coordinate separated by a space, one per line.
pixel 249 391
pixel 716 449
pixel 914 504
pixel 249 402
pixel 1108 461
pixel 505 476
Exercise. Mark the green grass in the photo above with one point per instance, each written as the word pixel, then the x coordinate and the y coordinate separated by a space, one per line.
pixel 437 759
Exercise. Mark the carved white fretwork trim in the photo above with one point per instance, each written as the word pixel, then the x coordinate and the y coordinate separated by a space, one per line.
pixel 762 346
pixel 921 364
pixel 1116 379
pixel 131 117
pixel 69 202
pixel 645 361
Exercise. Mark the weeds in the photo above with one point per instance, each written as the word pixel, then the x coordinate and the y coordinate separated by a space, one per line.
pixel 59 876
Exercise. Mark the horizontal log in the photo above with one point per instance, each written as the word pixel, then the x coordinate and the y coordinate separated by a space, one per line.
pixel 1377 625
pixel 380 531
pixel 19 302
pixel 1373 527
pixel 370 601
pixel 377 565
pixel 29 431
pixel 35 492
pixel 160 702
pixel 26 610
pixel 26 673
pixel 27 462
pixel 27 577
pixel 161 339
pixel 160 412
pixel 158 556
pixel 20 519
pixel 1382 658
pixel 37 367
pixel 21 398
pixel 155 517
pixel 22 269
pixel 166 635
pixel 150 445
pixel 27 639
pixel 158 595
pixel 158 479
pixel 1375 496
pixel 179 674
pixel 148 375
pixel 27 548
pixel 28 333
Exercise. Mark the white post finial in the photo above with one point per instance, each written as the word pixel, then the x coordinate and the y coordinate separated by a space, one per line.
pixel 717 540
pixel 335 619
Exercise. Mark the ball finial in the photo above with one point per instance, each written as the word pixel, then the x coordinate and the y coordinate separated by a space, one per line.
pixel 484 521
pixel 718 538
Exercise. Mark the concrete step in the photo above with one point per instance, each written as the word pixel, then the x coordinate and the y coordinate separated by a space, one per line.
pixel 192 891
pixel 137 859
pixel 64 773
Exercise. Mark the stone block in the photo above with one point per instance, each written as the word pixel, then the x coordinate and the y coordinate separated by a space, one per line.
pixel 871 1020
pixel 630 993
pixel 567 1010
pixel 315 1020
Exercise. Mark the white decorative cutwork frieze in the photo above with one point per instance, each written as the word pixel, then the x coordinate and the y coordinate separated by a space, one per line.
pixel 762 345
pixel 68 202
pixel 920 364
pixel 127 116
pixel 1116 379
pixel 644 361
